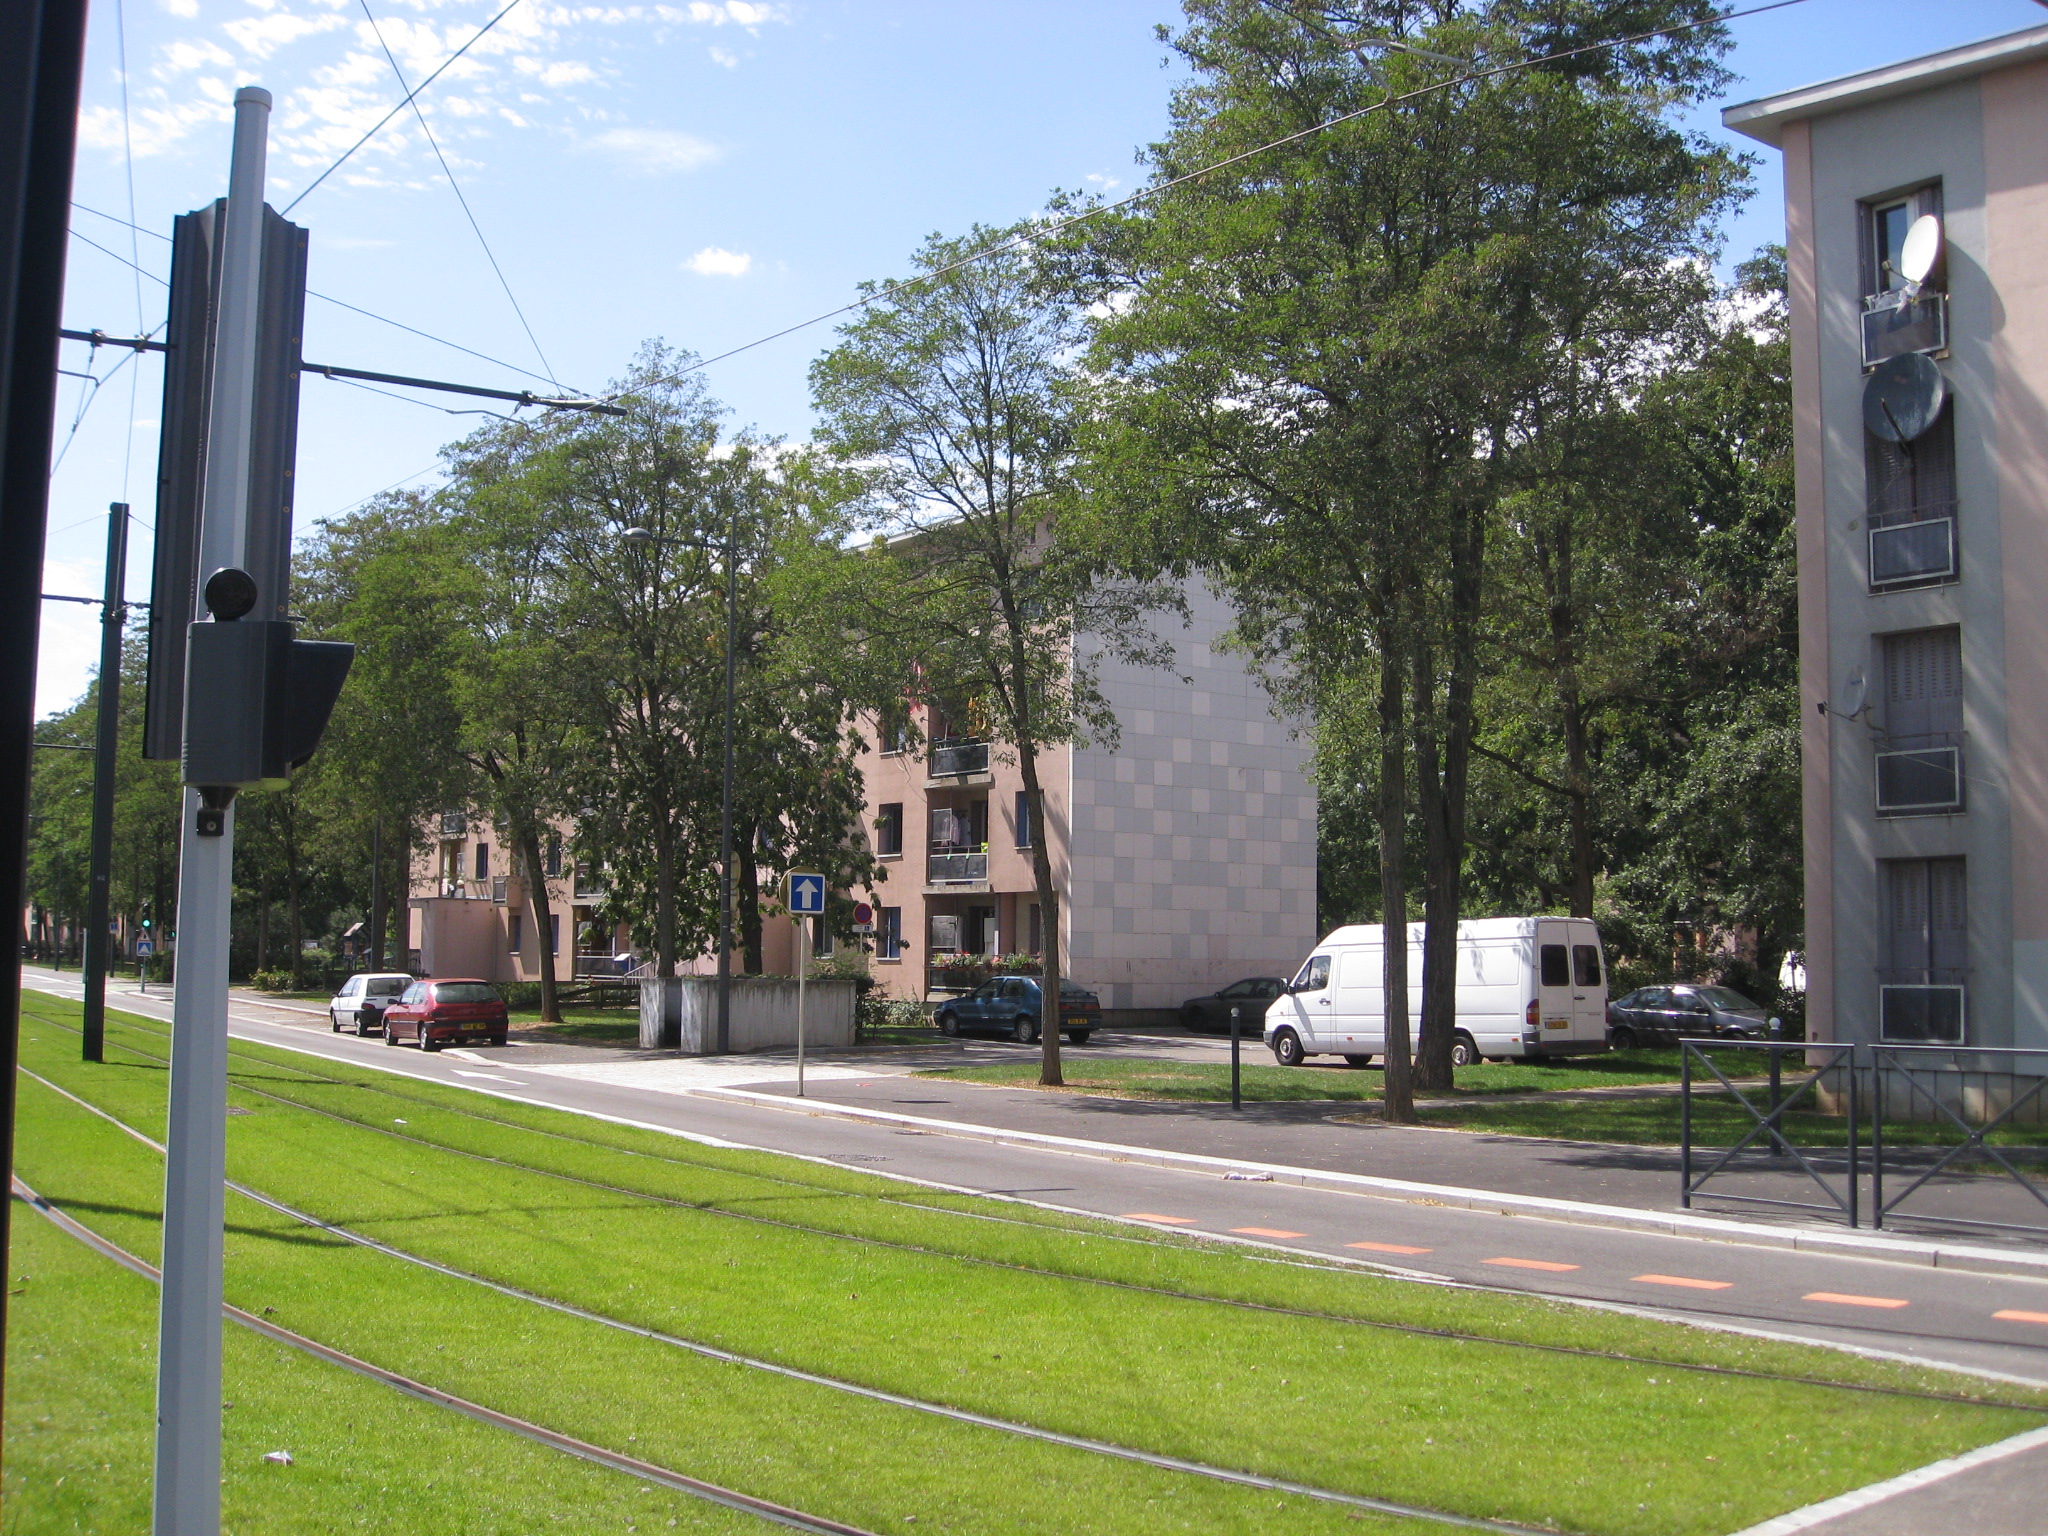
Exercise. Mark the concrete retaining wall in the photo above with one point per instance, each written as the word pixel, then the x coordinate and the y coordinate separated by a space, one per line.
pixel 680 1013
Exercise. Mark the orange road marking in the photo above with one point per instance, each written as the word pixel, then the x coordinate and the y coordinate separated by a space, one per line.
pixel 1153 1216
pixel 1842 1300
pixel 1697 1285
pixel 1533 1264
pixel 1389 1248
pixel 1266 1232
pixel 2010 1316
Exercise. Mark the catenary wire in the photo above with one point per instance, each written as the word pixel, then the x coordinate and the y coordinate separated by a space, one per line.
pixel 1150 1240
pixel 359 143
pixel 328 298
pixel 1057 226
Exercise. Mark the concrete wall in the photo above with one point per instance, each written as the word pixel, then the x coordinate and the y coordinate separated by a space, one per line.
pixel 681 1013
pixel 1194 841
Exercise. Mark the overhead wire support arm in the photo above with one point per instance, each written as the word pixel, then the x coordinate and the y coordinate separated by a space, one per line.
pixel 336 371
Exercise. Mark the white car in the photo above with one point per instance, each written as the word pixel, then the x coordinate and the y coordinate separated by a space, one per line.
pixel 361 1002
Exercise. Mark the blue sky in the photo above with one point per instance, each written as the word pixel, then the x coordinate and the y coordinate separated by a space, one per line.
pixel 705 171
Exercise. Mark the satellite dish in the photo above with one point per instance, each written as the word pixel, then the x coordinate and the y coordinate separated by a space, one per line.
pixel 1903 397
pixel 1922 248
pixel 1855 695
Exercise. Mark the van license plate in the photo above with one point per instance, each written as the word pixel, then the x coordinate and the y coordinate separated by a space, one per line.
pixel 1557 1023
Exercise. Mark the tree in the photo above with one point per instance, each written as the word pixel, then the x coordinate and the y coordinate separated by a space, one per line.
pixel 1321 362
pixel 951 388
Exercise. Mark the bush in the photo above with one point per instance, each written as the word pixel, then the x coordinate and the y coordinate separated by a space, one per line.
pixel 271 981
pixel 873 1013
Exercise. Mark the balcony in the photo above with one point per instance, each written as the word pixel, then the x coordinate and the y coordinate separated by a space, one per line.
pixel 1920 780
pixel 1894 324
pixel 1921 1007
pixel 956 866
pixel 1912 547
pixel 956 758
pixel 454 824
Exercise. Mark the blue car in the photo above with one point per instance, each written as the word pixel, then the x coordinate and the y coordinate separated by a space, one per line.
pixel 1009 1006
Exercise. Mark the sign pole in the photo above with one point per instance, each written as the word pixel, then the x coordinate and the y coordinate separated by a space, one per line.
pixel 1235 1101
pixel 803 944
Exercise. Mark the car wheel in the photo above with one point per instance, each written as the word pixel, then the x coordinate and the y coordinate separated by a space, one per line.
pixel 1287 1049
pixel 333 1021
pixel 499 1040
pixel 363 1023
pixel 425 1043
pixel 1464 1052
pixel 949 1025
pixel 390 1034
pixel 1357 1061
pixel 1024 1031
pixel 1191 1020
pixel 1077 1036
pixel 1622 1038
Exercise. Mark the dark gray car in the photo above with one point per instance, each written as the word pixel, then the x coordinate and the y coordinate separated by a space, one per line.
pixel 1249 997
pixel 1682 1011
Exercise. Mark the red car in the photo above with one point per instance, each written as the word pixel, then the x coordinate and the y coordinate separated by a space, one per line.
pixel 438 1013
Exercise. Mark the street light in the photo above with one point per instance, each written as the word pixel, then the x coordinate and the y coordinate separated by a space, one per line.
pixel 643 538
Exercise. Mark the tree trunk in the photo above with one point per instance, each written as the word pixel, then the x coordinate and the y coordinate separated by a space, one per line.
pixel 1048 923
pixel 293 884
pixel 1399 1098
pixel 1439 902
pixel 263 921
pixel 747 894
pixel 542 908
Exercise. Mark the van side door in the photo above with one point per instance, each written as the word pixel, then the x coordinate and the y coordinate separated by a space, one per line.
pixel 1358 1004
pixel 1553 983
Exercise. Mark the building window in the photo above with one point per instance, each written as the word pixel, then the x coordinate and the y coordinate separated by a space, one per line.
pixel 554 933
pixel 483 861
pixel 553 857
pixel 1911 495
pixel 893 729
pixel 1919 761
pixel 1923 950
pixel 1024 818
pixel 1885 222
pixel 515 927
pixel 889 831
pixel 821 939
pixel 889 936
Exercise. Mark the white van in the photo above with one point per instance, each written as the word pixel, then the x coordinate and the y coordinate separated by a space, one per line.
pixel 1528 987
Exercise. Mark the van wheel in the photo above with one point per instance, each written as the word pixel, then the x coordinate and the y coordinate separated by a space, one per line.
pixel 1464 1051
pixel 1357 1061
pixel 1622 1038
pixel 1287 1049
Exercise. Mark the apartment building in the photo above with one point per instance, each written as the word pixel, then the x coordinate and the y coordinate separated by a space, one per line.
pixel 469 912
pixel 1186 854
pixel 1916 201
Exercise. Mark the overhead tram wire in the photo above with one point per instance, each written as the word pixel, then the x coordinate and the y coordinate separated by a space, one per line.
pixel 456 187
pixel 378 125
pixel 1143 194
pixel 325 298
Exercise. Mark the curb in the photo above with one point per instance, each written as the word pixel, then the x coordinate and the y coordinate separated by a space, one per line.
pixel 1894 1250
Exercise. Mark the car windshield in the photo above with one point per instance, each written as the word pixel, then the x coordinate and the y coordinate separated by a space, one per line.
pixel 384 986
pixel 465 992
pixel 1727 997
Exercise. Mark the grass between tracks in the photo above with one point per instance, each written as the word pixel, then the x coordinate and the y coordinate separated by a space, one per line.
pixel 838 1289
pixel 1318 1081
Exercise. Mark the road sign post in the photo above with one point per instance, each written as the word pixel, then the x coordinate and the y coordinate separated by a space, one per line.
pixel 806 901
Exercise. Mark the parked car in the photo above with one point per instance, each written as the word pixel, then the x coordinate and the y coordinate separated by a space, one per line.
pixel 1249 997
pixel 438 1013
pixel 1666 1015
pixel 1011 1006
pixel 361 1002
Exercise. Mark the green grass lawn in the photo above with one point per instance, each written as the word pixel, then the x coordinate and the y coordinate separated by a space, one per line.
pixel 1082 1326
pixel 598 1026
pixel 1716 1122
pixel 1209 1082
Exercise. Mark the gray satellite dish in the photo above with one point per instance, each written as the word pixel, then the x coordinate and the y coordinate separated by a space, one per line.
pixel 1903 397
pixel 1921 249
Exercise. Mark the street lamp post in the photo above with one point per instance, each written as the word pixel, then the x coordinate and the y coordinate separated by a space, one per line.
pixel 642 538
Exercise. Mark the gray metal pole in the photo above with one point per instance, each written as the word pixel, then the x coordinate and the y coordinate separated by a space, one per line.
pixel 106 747
pixel 188 1393
pixel 732 540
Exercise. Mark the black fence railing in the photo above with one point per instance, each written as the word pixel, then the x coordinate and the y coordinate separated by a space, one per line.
pixel 1762 1121
pixel 1973 1091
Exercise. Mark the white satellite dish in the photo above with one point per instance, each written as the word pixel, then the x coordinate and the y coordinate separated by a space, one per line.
pixel 1855 696
pixel 1921 249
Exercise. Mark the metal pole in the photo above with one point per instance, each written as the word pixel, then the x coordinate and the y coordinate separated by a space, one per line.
pixel 1685 1126
pixel 377 892
pixel 803 944
pixel 1855 1163
pixel 41 46
pixel 188 1438
pixel 106 748
pixel 732 540
pixel 1235 1101
pixel 1777 1088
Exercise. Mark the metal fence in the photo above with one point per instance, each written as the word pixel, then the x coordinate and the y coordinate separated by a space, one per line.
pixel 1968 1093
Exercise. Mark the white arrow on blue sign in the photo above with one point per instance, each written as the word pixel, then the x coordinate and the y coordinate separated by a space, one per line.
pixel 807 895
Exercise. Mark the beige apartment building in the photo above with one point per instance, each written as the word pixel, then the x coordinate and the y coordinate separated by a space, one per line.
pixel 469 914
pixel 1916 200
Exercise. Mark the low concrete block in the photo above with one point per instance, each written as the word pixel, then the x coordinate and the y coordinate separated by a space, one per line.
pixel 680 1013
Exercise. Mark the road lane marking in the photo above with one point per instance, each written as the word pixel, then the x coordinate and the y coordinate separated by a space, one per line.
pixel 1543 1264
pixel 1842 1299
pixel 1389 1248
pixel 2011 1315
pixel 496 1077
pixel 1697 1285
pixel 1155 1216
pixel 1266 1232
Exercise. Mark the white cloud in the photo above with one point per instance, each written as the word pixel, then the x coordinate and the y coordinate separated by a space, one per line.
pixel 728 59
pixel 186 8
pixel 1106 183
pixel 653 151
pixel 715 261
pixel 261 36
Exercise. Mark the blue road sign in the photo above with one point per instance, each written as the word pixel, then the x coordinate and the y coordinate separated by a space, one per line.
pixel 144 947
pixel 806 894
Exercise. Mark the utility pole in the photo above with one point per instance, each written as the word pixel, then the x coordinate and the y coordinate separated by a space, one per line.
pixel 106 747
pixel 732 541
pixel 377 892
pixel 188 1436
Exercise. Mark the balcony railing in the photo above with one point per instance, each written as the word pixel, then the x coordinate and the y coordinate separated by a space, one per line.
pixel 454 824
pixel 1893 324
pixel 1913 546
pixel 958 755
pixel 1923 779
pixel 1923 1006
pixel 956 868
